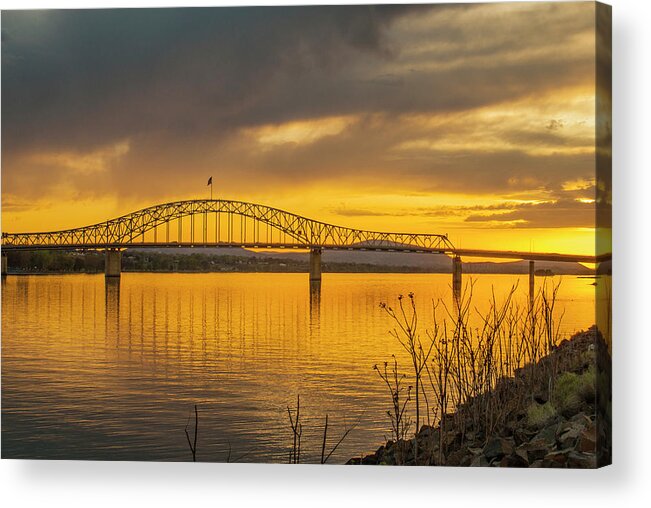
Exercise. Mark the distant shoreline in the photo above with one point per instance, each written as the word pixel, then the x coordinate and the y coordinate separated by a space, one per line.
pixel 377 271
pixel 234 260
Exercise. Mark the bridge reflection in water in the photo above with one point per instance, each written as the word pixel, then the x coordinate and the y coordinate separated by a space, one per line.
pixel 112 309
pixel 315 303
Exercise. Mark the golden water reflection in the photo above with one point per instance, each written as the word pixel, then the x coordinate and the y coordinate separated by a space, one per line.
pixel 111 371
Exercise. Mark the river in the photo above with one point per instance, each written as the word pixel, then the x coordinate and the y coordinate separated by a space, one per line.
pixel 112 372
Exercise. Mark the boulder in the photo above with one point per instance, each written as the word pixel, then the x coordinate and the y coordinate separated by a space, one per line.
pixel 535 450
pixel 369 460
pixel 555 459
pixel 514 460
pixel 497 448
pixel 522 435
pixel 450 422
pixel 428 436
pixel 563 425
pixel 425 429
pixel 523 455
pixel 456 458
pixel 581 418
pixel 466 460
pixel 568 438
pixel 427 450
pixel 452 439
pixel 548 434
pixel 479 461
pixel 587 442
pixel 378 456
pixel 578 460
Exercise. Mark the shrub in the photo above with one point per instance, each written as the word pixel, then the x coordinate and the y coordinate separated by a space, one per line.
pixel 539 415
pixel 572 390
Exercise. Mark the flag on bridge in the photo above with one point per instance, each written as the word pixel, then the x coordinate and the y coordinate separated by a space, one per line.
pixel 210 181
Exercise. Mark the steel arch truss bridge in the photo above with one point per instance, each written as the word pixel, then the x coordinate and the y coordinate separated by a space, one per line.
pixel 222 223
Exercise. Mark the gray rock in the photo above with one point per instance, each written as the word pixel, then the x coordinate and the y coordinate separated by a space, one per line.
pixel 555 459
pixel 456 457
pixel 535 450
pixel 428 434
pixel 479 461
pixel 581 418
pixel 514 460
pixel 522 435
pixel 578 460
pixel 548 434
pixel 369 460
pixel 569 438
pixel 587 442
pixel 466 459
pixel 497 447
pixel 524 455
pixel 452 439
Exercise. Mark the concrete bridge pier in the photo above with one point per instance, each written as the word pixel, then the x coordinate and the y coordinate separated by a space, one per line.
pixel 456 276
pixel 315 265
pixel 532 284
pixel 112 262
pixel 5 265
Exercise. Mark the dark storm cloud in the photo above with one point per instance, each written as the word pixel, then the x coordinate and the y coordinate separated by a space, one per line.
pixel 178 86
pixel 433 211
pixel 80 78
pixel 560 213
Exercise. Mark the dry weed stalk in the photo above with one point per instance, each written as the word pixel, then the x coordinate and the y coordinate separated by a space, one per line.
pixel 193 446
pixel 470 369
pixel 297 431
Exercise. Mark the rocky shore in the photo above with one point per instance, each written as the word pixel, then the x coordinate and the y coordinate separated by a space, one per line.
pixel 564 423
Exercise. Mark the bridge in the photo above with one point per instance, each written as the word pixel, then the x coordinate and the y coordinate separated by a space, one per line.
pixel 228 223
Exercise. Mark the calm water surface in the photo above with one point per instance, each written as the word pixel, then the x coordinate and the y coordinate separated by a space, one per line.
pixel 97 371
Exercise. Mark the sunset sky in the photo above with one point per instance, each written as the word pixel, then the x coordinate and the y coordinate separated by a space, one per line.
pixel 472 120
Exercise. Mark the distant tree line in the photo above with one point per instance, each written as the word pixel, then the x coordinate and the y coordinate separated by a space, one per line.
pixel 145 261
pixel 142 261
pixel 43 261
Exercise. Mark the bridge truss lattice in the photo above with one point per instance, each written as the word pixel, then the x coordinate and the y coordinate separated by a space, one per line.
pixel 220 222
